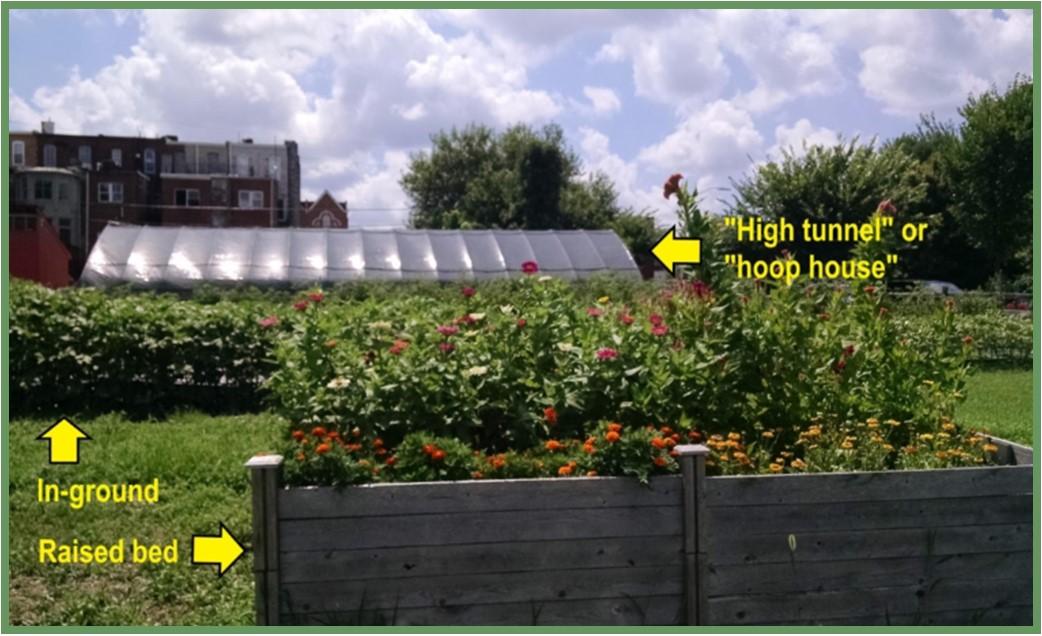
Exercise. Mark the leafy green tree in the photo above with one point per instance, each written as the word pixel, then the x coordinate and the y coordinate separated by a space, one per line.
pixel 841 183
pixel 991 171
pixel 519 178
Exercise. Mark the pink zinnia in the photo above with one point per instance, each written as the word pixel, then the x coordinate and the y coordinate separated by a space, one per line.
pixel 300 305
pixel 529 267
pixel 655 319
pixel 269 322
pixel 626 319
pixel 469 291
pixel 593 312
pixel 659 330
pixel 316 297
pixel 521 322
pixel 607 353
pixel 446 347
pixel 448 330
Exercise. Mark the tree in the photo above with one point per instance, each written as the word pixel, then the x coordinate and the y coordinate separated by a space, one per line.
pixel 844 182
pixel 991 171
pixel 520 178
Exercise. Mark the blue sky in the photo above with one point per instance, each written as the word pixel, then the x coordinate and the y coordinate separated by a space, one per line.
pixel 640 94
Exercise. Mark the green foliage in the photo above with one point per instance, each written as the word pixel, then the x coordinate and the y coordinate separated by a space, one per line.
pixel 841 183
pixel 520 178
pixel 993 172
pixel 639 233
pixel 83 350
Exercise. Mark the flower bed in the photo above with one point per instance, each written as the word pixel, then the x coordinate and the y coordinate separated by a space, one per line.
pixel 801 378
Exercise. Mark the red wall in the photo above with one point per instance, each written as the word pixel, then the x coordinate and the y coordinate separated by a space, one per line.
pixel 38 254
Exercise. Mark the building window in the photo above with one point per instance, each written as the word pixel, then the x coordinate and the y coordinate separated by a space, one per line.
pixel 150 161
pixel 65 231
pixel 110 193
pixel 21 189
pixel 63 191
pixel 186 197
pixel 117 156
pixel 251 199
pixel 213 163
pixel 18 153
pixel 43 190
pixel 50 156
pixel 84 155
pixel 167 164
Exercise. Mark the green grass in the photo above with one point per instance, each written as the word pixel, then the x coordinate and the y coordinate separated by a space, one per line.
pixel 198 461
pixel 1000 401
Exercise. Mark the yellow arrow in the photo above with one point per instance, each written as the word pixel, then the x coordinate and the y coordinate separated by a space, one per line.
pixel 64 438
pixel 223 550
pixel 672 251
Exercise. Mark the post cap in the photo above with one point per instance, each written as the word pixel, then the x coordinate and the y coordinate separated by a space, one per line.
pixel 696 450
pixel 262 461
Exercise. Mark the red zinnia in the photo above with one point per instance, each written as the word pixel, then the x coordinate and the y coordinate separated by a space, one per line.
pixel 655 319
pixel 300 305
pixel 672 185
pixel 316 297
pixel 521 322
pixel 298 435
pixel 447 347
pixel 550 413
pixel 626 319
pixel 398 347
pixel 607 353
pixel 887 207
pixel 269 322
pixel 659 330
pixel 469 291
pixel 448 330
pixel 529 267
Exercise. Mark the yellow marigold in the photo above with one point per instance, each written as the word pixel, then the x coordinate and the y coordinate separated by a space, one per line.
pixel 847 445
pixel 910 450
pixel 926 437
pixel 768 434
pixel 775 468
pixel 948 426
pixel 941 454
pixel 872 422
pixel 799 464
pixel 734 436
pixel 991 448
pixel 888 447
pixel 943 435
pixel 893 423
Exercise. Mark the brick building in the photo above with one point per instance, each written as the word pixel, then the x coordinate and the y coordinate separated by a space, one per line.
pixel 84 182
pixel 325 212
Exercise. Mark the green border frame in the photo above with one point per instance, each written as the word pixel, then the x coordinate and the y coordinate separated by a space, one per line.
pixel 514 4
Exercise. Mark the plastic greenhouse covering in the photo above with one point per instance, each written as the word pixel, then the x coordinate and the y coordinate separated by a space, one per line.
pixel 181 257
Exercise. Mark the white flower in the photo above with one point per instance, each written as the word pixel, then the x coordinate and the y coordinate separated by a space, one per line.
pixel 473 371
pixel 381 324
pixel 338 383
pixel 477 317
pixel 543 279
pixel 565 346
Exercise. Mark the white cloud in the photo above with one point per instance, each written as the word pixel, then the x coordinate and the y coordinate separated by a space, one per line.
pixel 799 136
pixel 603 100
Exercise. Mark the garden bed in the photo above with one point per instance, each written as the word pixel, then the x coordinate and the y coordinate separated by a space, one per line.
pixel 927 547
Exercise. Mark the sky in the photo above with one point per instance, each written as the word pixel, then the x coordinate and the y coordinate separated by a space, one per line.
pixel 640 94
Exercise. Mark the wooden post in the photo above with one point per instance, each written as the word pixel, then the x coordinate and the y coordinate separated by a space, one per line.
pixel 693 473
pixel 266 478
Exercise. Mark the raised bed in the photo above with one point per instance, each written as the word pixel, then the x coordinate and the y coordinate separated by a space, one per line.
pixel 924 547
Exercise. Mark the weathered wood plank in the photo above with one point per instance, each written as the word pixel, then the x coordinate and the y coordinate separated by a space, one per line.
pixel 477 496
pixel 649 610
pixel 481 527
pixel 728 545
pixel 829 606
pixel 867 515
pixel 1016 615
pixel 868 486
pixel 821 576
pixel 415 561
pixel 494 587
pixel 1013 454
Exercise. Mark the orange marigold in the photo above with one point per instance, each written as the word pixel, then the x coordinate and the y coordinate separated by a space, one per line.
pixel 438 455
pixel 318 431
pixel 323 448
pixel 554 445
pixel 615 427
pixel 298 435
pixel 565 470
pixel 658 442
pixel 660 461
pixel 612 436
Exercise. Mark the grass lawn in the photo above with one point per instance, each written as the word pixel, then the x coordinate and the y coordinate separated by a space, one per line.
pixel 1000 401
pixel 198 461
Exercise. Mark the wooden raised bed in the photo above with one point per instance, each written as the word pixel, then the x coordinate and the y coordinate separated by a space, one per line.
pixel 924 547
